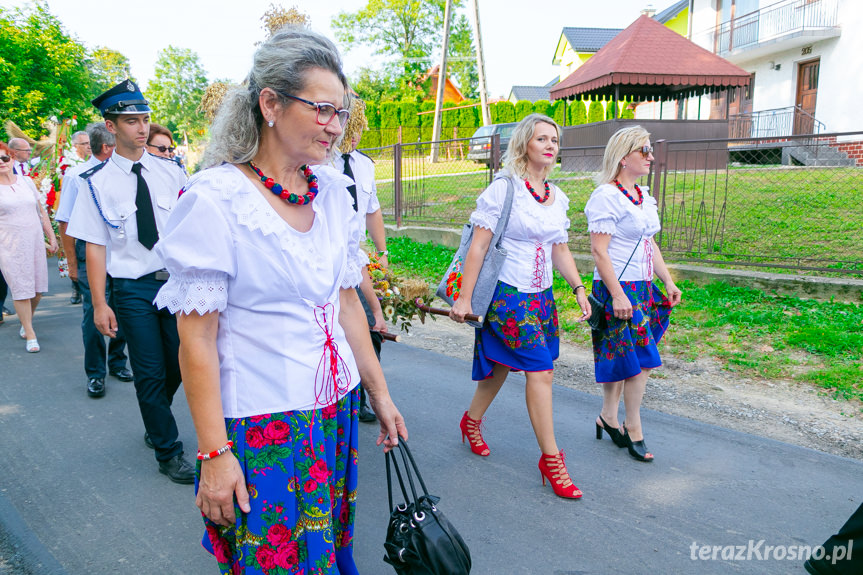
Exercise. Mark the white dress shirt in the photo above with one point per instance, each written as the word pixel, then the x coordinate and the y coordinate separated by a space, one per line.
pixel 112 222
pixel 608 211
pixel 69 188
pixel 532 230
pixel 276 289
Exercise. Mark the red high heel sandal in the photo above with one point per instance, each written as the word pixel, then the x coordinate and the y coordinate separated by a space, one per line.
pixel 470 428
pixel 553 468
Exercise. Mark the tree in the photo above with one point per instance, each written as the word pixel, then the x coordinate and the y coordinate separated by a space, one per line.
pixel 107 68
pixel 40 70
pixel 176 90
pixel 408 30
pixel 462 68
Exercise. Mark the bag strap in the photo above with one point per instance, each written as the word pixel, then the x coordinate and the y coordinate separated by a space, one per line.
pixel 503 220
pixel 627 263
pixel 391 457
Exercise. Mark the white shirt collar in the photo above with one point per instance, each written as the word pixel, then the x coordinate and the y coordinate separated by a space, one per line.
pixel 125 164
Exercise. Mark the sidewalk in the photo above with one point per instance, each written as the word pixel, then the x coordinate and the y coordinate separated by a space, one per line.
pixel 77 471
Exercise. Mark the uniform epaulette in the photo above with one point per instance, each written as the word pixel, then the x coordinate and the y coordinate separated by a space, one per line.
pixel 86 175
pixel 364 154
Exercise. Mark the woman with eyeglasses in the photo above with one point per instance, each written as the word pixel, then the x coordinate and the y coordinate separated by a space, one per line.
pixel 263 256
pixel 160 142
pixel 622 219
pixel 24 225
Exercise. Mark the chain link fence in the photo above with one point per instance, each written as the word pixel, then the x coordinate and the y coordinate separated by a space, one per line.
pixel 784 204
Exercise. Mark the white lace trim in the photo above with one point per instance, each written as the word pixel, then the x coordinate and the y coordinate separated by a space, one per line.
pixel 483 220
pixel 353 275
pixel 202 292
pixel 604 226
pixel 258 215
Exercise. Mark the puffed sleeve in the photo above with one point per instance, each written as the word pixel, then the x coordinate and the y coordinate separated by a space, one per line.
pixel 603 211
pixel 561 232
pixel 489 205
pixel 340 207
pixel 197 249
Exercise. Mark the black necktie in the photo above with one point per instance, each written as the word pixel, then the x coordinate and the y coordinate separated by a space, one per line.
pixel 350 173
pixel 147 233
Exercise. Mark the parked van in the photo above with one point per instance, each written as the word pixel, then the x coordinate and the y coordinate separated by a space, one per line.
pixel 480 145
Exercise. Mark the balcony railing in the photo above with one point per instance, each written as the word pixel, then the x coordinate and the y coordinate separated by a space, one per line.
pixel 776 123
pixel 771 23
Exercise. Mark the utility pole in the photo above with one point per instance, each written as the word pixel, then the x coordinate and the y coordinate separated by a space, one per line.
pixel 441 84
pixel 480 66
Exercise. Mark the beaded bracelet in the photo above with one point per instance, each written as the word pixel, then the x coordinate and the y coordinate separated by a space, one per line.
pixel 575 289
pixel 216 453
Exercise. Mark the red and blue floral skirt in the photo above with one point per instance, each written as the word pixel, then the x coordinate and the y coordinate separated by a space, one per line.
pixel 302 488
pixel 627 346
pixel 520 331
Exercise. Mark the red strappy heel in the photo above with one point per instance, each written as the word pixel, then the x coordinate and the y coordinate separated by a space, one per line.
pixel 553 468
pixel 470 428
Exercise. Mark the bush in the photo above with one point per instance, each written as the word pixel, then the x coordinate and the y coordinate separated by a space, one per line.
pixel 523 109
pixel 373 115
pixel 627 113
pixel 389 123
pixel 370 139
pixel 541 107
pixel 576 113
pixel 502 113
pixel 595 113
pixel 558 111
pixel 410 122
pixel 426 120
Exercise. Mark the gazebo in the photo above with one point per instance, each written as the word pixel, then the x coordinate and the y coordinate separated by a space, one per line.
pixel 647 62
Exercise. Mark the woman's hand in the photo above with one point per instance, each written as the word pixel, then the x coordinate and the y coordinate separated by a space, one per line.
pixel 221 479
pixel 380 322
pixel 391 421
pixel 460 308
pixel 674 293
pixel 622 307
pixel 584 305
pixel 52 245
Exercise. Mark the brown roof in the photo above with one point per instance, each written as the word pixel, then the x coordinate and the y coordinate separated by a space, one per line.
pixel 649 60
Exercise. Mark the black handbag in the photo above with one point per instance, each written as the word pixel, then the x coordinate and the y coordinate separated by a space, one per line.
pixel 597 321
pixel 420 539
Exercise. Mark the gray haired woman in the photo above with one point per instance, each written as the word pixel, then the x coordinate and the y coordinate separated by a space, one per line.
pixel 262 254
pixel 521 332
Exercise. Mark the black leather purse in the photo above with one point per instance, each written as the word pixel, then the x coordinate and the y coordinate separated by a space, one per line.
pixel 597 321
pixel 420 539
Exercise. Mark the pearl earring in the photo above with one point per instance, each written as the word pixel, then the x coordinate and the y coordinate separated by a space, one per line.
pixel 621 165
pixel 270 123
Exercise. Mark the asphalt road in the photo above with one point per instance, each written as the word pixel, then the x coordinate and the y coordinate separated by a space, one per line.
pixel 80 494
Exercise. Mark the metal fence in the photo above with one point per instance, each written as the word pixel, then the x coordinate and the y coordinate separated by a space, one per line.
pixel 787 204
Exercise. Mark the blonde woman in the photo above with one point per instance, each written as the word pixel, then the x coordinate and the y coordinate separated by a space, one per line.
pixel 622 219
pixel 520 332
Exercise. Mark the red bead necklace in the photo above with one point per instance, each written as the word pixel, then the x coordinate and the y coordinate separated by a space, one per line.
pixel 628 195
pixel 290 197
pixel 536 196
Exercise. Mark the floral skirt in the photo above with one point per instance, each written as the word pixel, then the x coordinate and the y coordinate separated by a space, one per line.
pixel 625 347
pixel 302 493
pixel 520 331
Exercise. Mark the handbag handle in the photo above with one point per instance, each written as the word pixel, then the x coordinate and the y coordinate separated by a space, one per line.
pixel 410 469
pixel 627 263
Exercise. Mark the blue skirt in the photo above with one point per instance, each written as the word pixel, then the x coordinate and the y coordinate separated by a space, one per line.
pixel 520 331
pixel 627 346
pixel 302 488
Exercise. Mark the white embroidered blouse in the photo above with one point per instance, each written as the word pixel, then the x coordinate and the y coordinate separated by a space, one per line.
pixel 532 230
pixel 276 289
pixel 608 211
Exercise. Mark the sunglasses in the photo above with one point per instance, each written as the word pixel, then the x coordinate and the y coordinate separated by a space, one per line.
pixel 325 111
pixel 645 150
pixel 5 159
pixel 163 149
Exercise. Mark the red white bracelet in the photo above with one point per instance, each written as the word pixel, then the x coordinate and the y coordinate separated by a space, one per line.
pixel 216 453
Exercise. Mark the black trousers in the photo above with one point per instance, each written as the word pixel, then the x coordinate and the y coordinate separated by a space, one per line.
pixel 154 345
pixel 4 291
pixel 95 350
pixel 849 561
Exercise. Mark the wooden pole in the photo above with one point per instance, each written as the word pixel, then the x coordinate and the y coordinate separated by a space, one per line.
pixel 441 84
pixel 480 66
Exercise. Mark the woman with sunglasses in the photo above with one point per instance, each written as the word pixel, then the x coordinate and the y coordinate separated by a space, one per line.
pixel 263 256
pixel 160 142
pixel 24 225
pixel 622 219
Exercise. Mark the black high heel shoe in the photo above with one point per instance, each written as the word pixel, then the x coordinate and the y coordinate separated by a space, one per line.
pixel 637 449
pixel 613 433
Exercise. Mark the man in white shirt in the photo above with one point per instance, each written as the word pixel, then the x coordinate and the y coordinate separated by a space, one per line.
pixel 360 168
pixel 81 146
pixel 95 350
pixel 21 151
pixel 122 206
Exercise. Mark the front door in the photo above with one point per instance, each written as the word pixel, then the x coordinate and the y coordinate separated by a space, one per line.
pixel 807 92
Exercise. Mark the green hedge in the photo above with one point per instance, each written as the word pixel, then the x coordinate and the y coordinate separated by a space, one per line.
pixel 389 123
pixel 596 112
pixel 576 113
pixel 541 107
pixel 523 109
pixel 410 122
pixel 502 112
pixel 557 112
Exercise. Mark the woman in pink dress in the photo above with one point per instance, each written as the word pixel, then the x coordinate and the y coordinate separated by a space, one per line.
pixel 23 227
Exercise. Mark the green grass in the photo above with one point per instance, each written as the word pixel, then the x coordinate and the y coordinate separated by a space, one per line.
pixel 749 332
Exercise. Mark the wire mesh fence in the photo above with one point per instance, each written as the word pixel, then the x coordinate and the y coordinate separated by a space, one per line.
pixel 785 204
